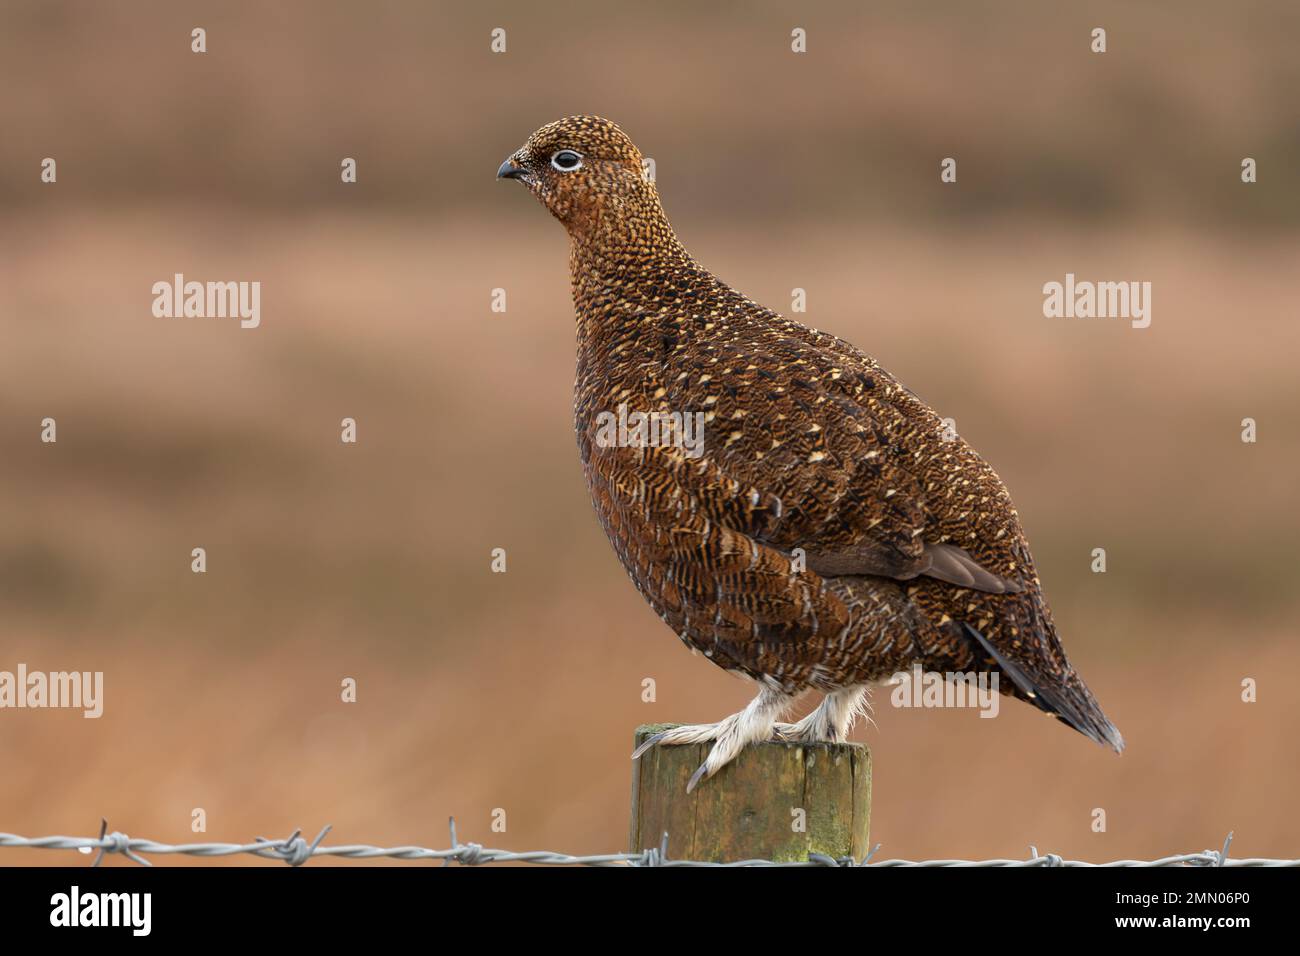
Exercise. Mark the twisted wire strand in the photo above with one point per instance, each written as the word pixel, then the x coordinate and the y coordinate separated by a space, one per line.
pixel 295 851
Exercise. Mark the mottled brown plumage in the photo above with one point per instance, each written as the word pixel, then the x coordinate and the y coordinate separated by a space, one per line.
pixel 913 550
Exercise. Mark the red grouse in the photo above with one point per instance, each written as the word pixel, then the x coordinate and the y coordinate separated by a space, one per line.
pixel 825 530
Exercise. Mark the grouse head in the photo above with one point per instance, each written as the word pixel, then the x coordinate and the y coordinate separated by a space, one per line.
pixel 587 172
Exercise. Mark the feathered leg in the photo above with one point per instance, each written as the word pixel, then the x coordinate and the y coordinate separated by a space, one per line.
pixel 831 721
pixel 732 734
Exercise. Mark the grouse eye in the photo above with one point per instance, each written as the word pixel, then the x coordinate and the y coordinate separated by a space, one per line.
pixel 566 160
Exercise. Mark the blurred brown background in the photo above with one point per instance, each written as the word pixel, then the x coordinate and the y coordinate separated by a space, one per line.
pixel 521 691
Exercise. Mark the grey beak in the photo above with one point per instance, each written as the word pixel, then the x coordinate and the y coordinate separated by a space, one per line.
pixel 510 169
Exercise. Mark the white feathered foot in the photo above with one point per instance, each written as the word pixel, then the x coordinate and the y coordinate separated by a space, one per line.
pixel 732 734
pixel 831 721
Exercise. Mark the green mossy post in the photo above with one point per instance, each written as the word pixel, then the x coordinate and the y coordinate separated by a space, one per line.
pixel 747 811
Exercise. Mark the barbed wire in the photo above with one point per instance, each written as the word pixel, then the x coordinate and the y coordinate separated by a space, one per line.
pixel 296 851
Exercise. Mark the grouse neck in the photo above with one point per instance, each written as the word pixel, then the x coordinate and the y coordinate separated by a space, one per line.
pixel 633 264
pixel 633 234
pixel 614 296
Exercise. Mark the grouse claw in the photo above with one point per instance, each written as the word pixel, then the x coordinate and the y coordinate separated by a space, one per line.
pixel 648 743
pixel 701 774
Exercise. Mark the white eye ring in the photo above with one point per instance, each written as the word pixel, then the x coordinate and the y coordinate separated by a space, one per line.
pixel 555 157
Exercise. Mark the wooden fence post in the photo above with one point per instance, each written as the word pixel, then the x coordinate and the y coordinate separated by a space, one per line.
pixel 775 802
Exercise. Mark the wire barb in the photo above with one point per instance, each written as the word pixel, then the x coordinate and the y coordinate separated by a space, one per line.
pixel 1223 854
pixel 115 842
